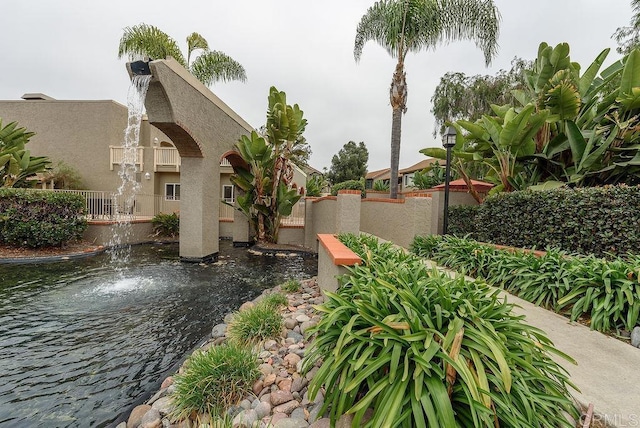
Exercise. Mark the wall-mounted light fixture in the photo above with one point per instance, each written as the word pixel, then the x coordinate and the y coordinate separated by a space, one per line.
pixel 147 176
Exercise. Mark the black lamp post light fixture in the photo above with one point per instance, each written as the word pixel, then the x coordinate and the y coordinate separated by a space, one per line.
pixel 448 141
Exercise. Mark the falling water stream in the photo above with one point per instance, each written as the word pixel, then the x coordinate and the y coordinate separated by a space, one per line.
pixel 129 184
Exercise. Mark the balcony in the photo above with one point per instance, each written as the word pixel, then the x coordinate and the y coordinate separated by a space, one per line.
pixel 166 159
pixel 119 155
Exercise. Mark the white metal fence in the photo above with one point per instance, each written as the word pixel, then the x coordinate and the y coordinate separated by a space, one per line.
pixel 297 215
pixel 101 205
pixel 295 219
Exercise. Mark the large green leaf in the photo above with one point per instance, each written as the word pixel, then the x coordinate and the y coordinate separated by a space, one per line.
pixel 587 78
pixel 576 142
pixel 631 73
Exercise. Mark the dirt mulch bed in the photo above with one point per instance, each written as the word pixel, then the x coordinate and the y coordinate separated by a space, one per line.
pixel 80 247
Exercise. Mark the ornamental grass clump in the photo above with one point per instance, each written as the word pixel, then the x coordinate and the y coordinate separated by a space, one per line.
pixel 291 286
pixel 425 350
pixel 258 323
pixel 274 300
pixel 213 380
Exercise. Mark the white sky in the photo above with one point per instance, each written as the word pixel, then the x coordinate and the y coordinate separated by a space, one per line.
pixel 68 50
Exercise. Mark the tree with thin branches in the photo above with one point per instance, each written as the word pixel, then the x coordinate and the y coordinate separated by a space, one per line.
pixel 208 66
pixel 403 26
pixel 628 37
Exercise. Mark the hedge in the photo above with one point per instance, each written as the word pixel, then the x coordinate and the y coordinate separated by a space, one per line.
pixel 40 218
pixel 349 185
pixel 592 220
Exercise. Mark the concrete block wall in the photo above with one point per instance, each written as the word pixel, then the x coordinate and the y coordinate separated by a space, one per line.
pixel 396 220
pixel 456 197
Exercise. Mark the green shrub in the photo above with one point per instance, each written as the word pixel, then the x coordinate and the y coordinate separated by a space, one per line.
pixel 423 349
pixel 380 186
pixel 603 293
pixel 40 218
pixel 291 286
pixel 462 219
pixel 166 225
pixel 213 380
pixel 348 185
pixel 594 220
pixel 256 324
pixel 66 177
pixel 315 185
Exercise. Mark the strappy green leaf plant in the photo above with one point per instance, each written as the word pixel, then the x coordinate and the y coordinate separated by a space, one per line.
pixel 602 293
pixel 423 349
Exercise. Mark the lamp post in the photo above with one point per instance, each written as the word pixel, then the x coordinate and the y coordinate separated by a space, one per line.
pixel 448 141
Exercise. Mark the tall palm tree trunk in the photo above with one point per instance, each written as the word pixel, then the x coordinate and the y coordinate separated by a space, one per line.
pixel 398 98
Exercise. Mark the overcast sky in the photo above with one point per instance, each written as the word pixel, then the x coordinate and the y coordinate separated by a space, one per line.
pixel 68 50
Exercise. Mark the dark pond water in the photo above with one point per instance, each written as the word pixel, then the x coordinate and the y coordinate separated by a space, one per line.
pixel 81 340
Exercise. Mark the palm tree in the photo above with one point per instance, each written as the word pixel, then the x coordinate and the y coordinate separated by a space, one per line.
pixel 403 26
pixel 210 66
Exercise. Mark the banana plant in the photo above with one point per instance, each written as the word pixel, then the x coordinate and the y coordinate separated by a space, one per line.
pixel 499 142
pixel 16 163
pixel 266 183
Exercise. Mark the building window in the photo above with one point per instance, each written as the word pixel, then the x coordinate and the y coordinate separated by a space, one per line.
pixel 172 192
pixel 227 193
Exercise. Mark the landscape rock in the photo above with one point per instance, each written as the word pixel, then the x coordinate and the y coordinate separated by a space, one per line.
pixel 287 407
pixel 279 397
pixel 291 423
pixel 167 382
pixel 635 337
pixel 245 306
pixel 263 409
pixel 297 337
pixel 291 360
pixel 245 419
pixel 299 413
pixel 163 405
pixel 321 423
pixel 290 323
pixel 136 415
pixel 151 419
pixel 219 330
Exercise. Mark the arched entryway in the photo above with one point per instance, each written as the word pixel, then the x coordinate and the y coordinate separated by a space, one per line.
pixel 202 128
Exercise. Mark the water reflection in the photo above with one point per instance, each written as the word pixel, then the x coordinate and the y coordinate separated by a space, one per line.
pixel 80 341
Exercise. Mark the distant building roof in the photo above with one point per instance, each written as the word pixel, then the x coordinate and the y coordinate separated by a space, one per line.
pixel 481 186
pixel 309 170
pixel 377 175
pixel 420 165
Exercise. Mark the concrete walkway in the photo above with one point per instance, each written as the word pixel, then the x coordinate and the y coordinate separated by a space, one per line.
pixel 608 370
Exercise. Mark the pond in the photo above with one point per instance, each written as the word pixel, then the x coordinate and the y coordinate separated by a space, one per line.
pixel 80 341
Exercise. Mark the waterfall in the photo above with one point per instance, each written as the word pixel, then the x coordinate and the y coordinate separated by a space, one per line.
pixel 123 203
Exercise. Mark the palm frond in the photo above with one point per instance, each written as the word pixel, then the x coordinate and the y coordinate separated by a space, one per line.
pixel 382 24
pixel 216 66
pixel 148 41
pixel 195 41
pixel 402 26
pixel 475 20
